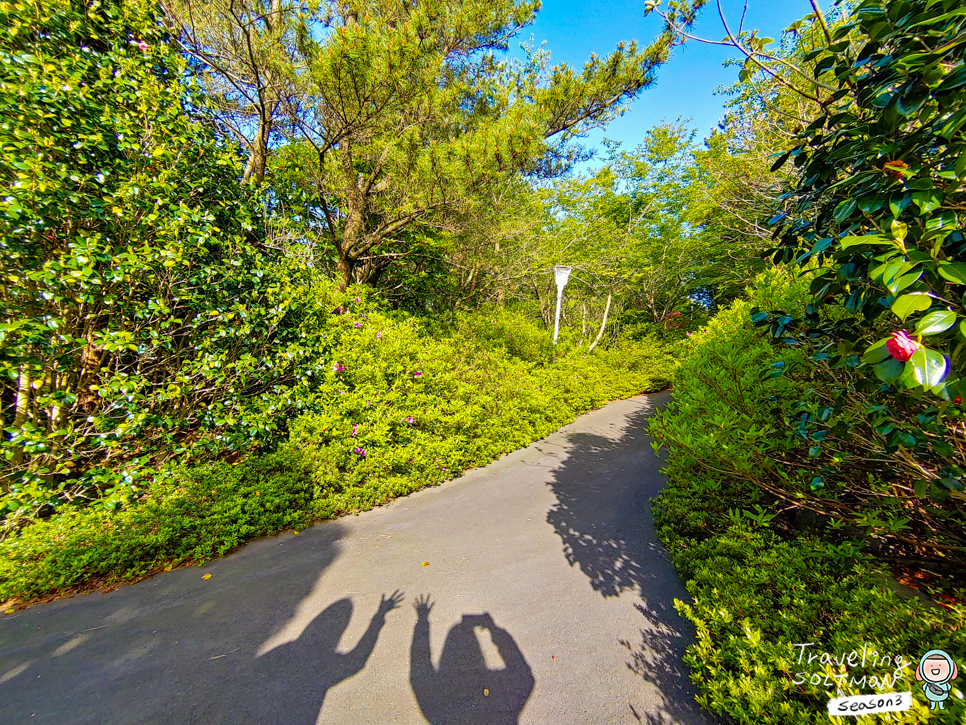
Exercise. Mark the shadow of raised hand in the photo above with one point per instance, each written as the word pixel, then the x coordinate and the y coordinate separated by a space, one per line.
pixel 289 683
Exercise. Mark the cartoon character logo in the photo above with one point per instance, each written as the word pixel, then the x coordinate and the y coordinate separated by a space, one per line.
pixel 935 670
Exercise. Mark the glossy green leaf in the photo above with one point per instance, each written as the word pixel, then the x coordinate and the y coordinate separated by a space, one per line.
pixel 929 367
pixel 954 272
pixel 911 303
pixel 853 241
pixel 936 322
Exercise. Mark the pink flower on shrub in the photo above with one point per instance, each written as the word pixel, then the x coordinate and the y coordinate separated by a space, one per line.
pixel 901 347
pixel 338 368
pixel 410 420
pixel 358 299
pixel 379 335
pixel 358 324
pixel 361 452
pixel 143 46
pixel 355 429
pixel 417 374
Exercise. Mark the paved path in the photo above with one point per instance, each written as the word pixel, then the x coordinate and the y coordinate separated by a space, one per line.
pixel 547 599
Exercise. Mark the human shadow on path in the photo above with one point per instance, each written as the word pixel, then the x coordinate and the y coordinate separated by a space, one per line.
pixel 462 689
pixel 178 648
pixel 289 683
pixel 603 518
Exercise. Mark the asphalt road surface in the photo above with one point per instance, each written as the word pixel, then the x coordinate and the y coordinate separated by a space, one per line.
pixel 547 599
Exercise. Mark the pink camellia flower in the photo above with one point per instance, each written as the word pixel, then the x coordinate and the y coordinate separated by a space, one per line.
pixel 143 46
pixel 901 347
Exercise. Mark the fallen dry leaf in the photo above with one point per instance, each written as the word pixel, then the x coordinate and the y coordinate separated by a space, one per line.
pixel 486 693
pixel 425 563
pixel 10 611
pixel 206 576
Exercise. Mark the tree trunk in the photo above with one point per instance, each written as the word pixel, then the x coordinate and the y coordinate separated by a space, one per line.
pixel 22 407
pixel 344 272
pixel 603 324
pixel 255 169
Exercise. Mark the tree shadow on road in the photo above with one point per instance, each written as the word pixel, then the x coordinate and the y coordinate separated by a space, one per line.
pixel 603 518
pixel 463 689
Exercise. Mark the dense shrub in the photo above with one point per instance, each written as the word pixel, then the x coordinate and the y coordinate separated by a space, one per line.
pixel 190 514
pixel 765 571
pixel 402 403
pixel 143 305
pixel 755 596
pixel 878 203
pixel 406 406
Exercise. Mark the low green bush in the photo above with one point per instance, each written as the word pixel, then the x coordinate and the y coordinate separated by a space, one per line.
pixel 401 403
pixel 764 571
pixel 407 407
pixel 189 515
pixel 755 596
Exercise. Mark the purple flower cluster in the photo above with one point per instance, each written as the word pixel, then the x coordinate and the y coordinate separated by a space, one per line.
pixel 361 452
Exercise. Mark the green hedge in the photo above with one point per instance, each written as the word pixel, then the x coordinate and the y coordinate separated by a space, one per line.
pixel 760 585
pixel 190 515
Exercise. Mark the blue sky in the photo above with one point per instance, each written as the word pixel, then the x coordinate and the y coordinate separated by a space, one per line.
pixel 685 86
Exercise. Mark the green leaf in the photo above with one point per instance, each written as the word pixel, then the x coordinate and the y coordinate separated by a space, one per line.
pixel 781 162
pixel 889 371
pixel 911 303
pixel 954 272
pixel 877 352
pixel 936 322
pixel 921 487
pixel 844 210
pixel 929 367
pixel 900 283
pixel 853 241
pixel 899 229
pixel 927 201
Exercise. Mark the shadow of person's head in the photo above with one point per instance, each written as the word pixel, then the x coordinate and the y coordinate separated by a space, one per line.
pixel 325 631
pixel 461 651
